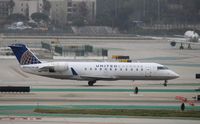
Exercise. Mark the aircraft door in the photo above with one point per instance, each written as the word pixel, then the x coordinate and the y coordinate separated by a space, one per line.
pixel 147 71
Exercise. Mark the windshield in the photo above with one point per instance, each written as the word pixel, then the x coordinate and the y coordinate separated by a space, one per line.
pixel 162 68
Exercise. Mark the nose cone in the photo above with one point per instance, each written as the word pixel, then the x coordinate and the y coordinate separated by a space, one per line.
pixel 174 75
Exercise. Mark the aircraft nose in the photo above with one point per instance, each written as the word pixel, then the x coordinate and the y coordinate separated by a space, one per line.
pixel 174 75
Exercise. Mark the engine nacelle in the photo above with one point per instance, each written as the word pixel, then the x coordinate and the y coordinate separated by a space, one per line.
pixel 59 67
pixel 173 43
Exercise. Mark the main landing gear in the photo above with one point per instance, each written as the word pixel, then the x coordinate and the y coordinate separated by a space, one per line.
pixel 136 90
pixel 165 83
pixel 181 47
pixel 189 46
pixel 91 83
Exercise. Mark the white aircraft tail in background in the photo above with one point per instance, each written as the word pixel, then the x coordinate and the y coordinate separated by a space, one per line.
pixel 91 71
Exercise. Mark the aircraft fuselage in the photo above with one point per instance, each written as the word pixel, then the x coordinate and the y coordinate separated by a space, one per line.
pixel 101 71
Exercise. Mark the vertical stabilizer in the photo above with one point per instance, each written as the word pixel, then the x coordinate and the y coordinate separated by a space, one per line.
pixel 24 55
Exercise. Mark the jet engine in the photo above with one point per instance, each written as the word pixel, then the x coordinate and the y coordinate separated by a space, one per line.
pixel 58 67
pixel 173 43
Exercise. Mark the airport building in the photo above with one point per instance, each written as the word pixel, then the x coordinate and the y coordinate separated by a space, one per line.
pixel 90 5
pixel 28 7
pixel 58 11
pixel 62 11
pixel 4 10
pixel 72 50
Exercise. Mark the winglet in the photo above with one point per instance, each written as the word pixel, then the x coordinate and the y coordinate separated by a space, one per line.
pixel 74 72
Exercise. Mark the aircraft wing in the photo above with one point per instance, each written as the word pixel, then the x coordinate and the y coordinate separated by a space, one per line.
pixel 178 39
pixel 192 43
pixel 45 68
pixel 174 42
pixel 97 77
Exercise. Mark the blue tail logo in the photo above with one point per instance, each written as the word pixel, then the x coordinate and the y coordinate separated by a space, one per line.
pixel 24 55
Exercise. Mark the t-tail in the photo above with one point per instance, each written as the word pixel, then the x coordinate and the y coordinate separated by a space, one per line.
pixel 24 55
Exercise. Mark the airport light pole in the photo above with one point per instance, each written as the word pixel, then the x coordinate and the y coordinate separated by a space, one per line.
pixel 144 8
pixel 158 10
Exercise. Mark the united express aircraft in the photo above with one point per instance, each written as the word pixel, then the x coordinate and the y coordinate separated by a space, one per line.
pixel 91 71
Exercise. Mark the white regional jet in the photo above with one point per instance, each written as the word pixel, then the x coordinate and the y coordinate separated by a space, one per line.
pixel 91 71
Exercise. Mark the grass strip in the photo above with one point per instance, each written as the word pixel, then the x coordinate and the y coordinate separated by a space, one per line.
pixel 123 112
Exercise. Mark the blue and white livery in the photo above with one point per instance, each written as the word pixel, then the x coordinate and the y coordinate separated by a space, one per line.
pixel 23 55
pixel 91 71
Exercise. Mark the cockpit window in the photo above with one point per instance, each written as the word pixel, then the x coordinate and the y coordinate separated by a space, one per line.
pixel 162 68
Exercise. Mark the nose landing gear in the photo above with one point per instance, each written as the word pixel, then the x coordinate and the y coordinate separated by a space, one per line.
pixel 165 83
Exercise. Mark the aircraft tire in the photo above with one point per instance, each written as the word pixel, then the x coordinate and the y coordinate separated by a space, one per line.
pixel 91 83
pixel 189 46
pixel 136 90
pixel 165 83
pixel 181 47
